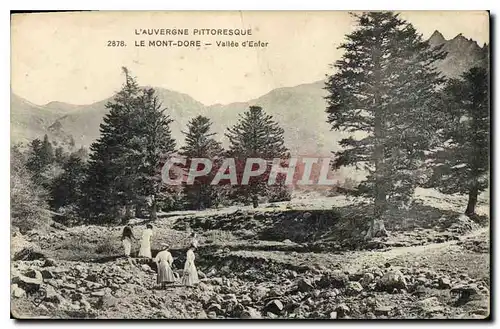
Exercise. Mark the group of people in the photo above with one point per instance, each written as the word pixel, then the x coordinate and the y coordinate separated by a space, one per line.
pixel 163 259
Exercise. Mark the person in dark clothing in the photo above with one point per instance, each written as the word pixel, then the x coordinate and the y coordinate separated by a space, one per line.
pixel 127 236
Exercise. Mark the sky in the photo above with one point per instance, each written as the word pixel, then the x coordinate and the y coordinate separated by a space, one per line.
pixel 65 56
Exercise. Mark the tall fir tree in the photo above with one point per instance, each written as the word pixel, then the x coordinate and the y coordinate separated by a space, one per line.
pixel 386 88
pixel 256 135
pixel 152 145
pixel 66 188
pixel 461 165
pixel 41 155
pixel 200 143
pixel 111 177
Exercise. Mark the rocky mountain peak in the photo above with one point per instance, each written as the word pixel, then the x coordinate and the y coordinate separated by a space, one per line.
pixel 437 38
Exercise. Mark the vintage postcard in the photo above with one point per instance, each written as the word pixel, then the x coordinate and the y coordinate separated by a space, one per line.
pixel 250 165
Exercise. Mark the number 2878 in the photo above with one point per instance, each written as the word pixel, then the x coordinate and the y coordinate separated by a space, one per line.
pixel 116 43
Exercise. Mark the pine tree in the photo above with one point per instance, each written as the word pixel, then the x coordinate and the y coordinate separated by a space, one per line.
pixel 125 162
pixel 41 155
pixel 111 173
pixel 461 165
pixel 67 187
pixel 201 144
pixel 153 144
pixel 256 135
pixel 384 91
pixel 59 155
pixel 47 151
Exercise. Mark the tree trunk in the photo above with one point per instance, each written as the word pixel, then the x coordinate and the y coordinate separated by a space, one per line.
pixel 471 205
pixel 152 215
pixel 255 201
pixel 377 227
pixel 128 212
pixel 139 210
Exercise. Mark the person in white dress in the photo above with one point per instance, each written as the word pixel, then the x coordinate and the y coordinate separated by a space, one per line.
pixel 147 234
pixel 164 262
pixel 190 275
pixel 194 240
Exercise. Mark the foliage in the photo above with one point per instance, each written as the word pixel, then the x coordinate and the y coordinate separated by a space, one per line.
pixel 384 92
pixel 29 208
pixel 125 162
pixel 201 144
pixel 256 135
pixel 461 165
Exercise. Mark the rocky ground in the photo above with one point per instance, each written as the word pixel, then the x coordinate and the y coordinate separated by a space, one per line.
pixel 300 259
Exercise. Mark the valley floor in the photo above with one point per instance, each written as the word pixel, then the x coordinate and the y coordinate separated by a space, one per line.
pixel 253 263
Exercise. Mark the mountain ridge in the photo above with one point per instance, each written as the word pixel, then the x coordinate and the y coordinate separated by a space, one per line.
pixel 304 134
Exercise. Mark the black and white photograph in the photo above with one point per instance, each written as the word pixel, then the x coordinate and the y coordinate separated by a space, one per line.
pixel 321 165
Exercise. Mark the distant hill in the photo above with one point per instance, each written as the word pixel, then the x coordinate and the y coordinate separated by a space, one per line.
pixel 300 110
pixel 29 121
pixel 83 123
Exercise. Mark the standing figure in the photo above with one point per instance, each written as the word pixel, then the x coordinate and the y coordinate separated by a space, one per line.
pixel 190 276
pixel 127 237
pixel 145 250
pixel 164 261
pixel 194 240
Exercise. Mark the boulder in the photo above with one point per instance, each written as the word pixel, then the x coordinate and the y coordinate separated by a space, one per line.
pixel 52 296
pixel 251 313
pixel 421 281
pixel 370 316
pixel 92 277
pixel 49 262
pixel 465 292
pixel 22 249
pixel 16 291
pixel 304 285
pixel 392 280
pixel 367 279
pixel 342 310
pixel 76 296
pixel 216 281
pixel 430 305
pixel 444 283
pixel 86 305
pixel 271 315
pixel 383 310
pixel 46 274
pixel 274 306
pixel 217 308
pixel 29 283
pixel 106 301
pixel 71 286
pixel 259 293
pixel 98 293
pixel 334 279
pixel 246 300
pixel 353 288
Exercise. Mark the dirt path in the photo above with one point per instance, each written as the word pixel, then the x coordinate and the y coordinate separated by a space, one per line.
pixel 377 257
pixel 442 253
